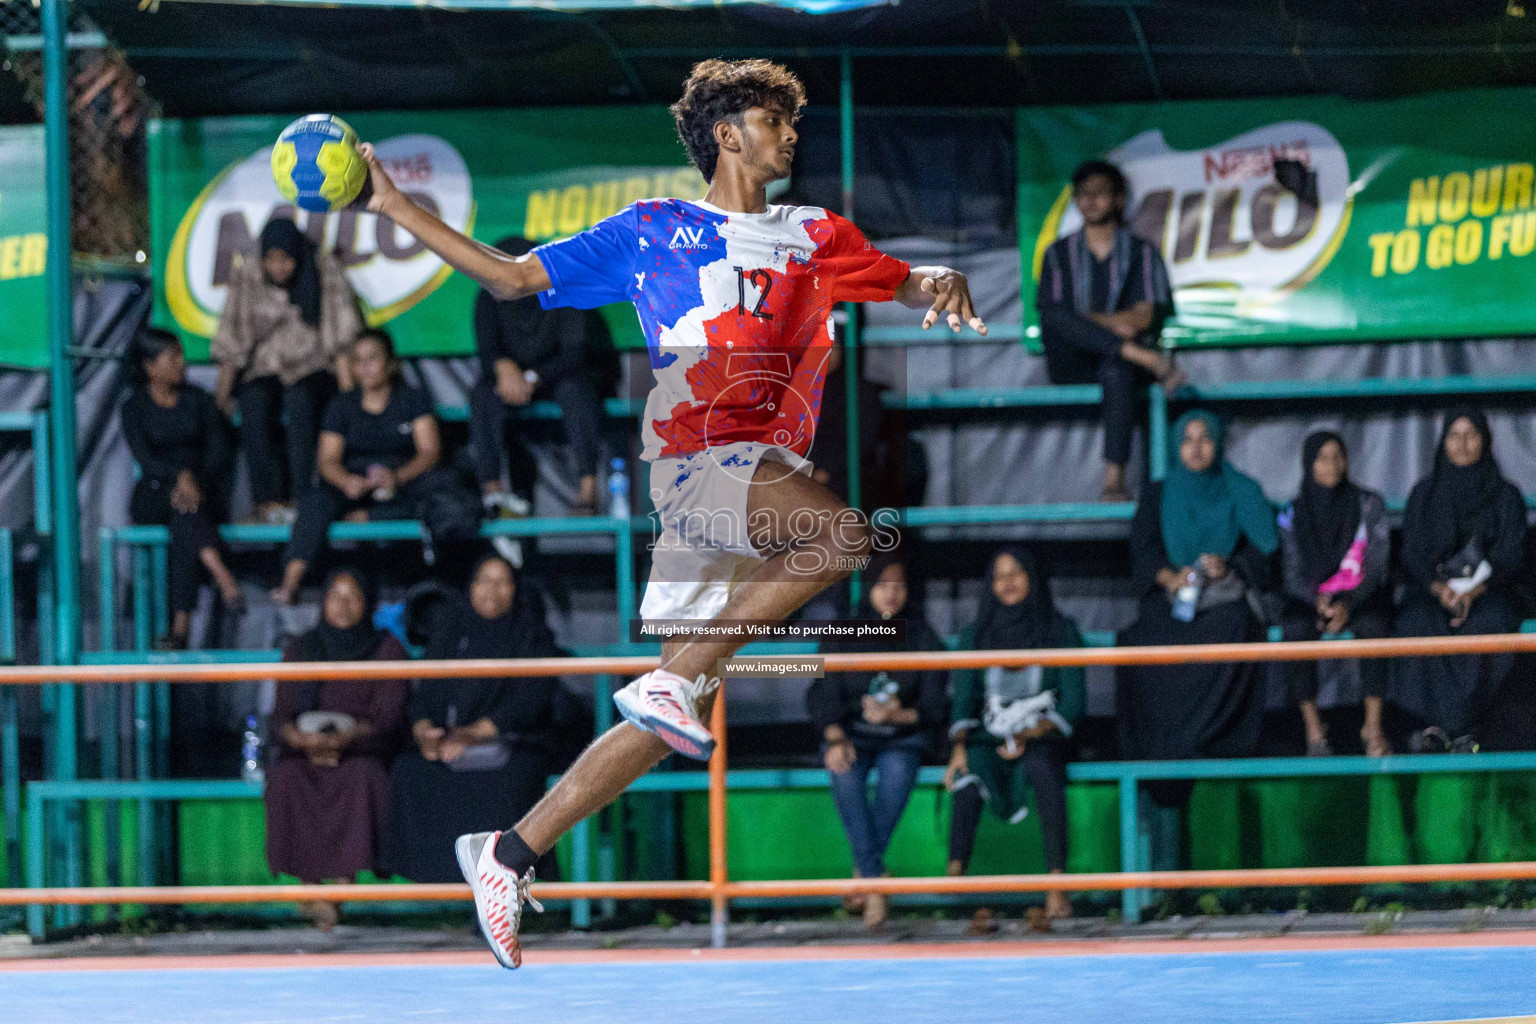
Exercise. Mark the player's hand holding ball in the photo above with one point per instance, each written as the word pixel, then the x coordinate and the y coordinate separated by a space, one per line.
pixel 379 191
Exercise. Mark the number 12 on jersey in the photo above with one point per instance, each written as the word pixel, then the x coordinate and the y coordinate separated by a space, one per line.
pixel 760 280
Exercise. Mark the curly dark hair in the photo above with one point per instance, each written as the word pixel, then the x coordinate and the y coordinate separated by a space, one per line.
pixel 724 90
pixel 1101 169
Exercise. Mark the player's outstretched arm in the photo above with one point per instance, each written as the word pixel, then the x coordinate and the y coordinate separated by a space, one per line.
pixel 943 292
pixel 505 277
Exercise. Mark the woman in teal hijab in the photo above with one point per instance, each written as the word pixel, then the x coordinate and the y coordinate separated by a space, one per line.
pixel 1210 523
pixel 1207 506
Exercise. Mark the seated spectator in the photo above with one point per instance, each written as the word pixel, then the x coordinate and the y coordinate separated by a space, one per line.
pixel 481 748
pixel 181 445
pixel 286 325
pixel 1334 545
pixel 379 452
pixel 1102 299
pixel 880 721
pixel 1463 543
pixel 1011 726
pixel 528 353
pixel 1200 543
pixel 326 791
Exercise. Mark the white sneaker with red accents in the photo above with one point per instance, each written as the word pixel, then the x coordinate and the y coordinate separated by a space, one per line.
pixel 665 704
pixel 499 894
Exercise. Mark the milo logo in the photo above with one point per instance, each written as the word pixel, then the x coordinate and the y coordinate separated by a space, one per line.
pixel 1230 229
pixel 388 268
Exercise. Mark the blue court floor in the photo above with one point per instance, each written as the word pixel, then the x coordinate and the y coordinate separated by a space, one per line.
pixel 1384 986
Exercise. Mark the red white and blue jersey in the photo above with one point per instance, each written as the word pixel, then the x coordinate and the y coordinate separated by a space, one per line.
pixel 735 308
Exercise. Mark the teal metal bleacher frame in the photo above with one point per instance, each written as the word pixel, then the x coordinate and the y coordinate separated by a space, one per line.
pixel 1126 776
pixel 59 701
pixel 148 545
pixel 149 578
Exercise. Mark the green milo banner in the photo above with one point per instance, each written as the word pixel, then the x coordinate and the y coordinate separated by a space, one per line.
pixel 23 248
pixel 541 174
pixel 1401 219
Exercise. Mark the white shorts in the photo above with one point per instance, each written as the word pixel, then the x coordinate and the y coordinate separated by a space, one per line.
pixel 703 553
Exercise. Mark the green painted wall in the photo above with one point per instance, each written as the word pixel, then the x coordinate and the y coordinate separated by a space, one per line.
pixel 795 834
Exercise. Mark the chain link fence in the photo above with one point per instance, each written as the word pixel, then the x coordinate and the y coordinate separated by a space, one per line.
pixel 109 113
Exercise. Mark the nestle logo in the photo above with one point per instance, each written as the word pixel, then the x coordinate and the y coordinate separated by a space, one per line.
pixel 1253 161
pixel 688 238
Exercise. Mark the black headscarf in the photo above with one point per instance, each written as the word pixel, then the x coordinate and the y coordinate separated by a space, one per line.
pixel 303 287
pixel 519 632
pixel 865 611
pixel 1460 497
pixel 355 643
pixel 1029 624
pixel 515 705
pixel 1326 517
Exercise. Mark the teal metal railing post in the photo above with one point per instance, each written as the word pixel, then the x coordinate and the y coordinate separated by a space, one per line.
pixel 10 724
pixel 111 711
pixel 160 603
pixel 36 864
pixel 106 576
pixel 160 575
pixel 1157 432
pixel 581 835
pixel 624 570
pixel 613 816
pixel 61 375
pixel 851 327
pixel 42 511
pixel 143 738
pixel 7 599
pixel 1130 836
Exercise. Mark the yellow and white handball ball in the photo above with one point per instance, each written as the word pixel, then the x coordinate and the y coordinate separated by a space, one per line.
pixel 316 163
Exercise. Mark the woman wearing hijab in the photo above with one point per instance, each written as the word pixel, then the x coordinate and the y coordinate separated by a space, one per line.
pixel 181 445
pixel 1463 543
pixel 528 353
pixel 880 721
pixel 1201 541
pixel 287 321
pixel 481 749
pixel 1334 543
pixel 1011 726
pixel 326 793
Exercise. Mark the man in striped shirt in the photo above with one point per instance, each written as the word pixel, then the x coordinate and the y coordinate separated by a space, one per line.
pixel 1102 299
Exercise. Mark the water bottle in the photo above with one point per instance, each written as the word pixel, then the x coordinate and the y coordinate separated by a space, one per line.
pixel 883 688
pixel 251 770
pixel 618 490
pixel 1187 600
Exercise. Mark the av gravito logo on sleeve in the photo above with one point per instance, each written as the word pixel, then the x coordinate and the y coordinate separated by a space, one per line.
pixel 1233 232
pixel 388 268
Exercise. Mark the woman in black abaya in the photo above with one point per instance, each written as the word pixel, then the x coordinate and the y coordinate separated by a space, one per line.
pixel 481 749
pixel 1463 543
pixel 1213 522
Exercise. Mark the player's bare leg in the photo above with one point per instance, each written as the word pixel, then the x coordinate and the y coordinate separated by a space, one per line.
pixel 803 567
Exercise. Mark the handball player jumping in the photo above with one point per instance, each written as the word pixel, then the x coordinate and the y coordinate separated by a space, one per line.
pixel 735 298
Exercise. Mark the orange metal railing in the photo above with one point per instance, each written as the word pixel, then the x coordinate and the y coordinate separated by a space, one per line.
pixel 713 890
pixel 718 889
pixel 1296 650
